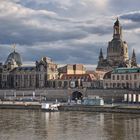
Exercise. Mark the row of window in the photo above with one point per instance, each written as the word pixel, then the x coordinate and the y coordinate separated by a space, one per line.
pixel 81 78
pixel 125 77
pixel 122 85
pixel 24 76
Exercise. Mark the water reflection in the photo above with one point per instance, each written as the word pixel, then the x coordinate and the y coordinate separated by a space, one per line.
pixel 36 125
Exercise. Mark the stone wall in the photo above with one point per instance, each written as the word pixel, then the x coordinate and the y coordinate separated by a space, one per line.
pixel 64 94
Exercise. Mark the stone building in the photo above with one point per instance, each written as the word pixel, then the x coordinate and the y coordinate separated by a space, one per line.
pixel 23 77
pixel 125 78
pixel 117 52
pixel 14 75
pixel 72 69
pixel 46 70
pixel 77 76
pixel 13 61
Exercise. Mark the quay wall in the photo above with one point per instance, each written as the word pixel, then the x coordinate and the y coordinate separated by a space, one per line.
pixel 63 94
pixel 115 109
pixel 20 106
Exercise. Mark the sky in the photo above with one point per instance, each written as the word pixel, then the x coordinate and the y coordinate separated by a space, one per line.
pixel 68 31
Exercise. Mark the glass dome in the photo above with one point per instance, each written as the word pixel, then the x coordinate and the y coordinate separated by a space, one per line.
pixel 14 56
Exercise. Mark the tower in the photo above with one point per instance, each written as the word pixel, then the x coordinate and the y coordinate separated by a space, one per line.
pixel 117 33
pixel 101 57
pixel 133 59
pixel 117 50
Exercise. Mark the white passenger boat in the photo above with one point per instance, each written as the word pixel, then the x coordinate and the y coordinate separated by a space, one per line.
pixel 50 107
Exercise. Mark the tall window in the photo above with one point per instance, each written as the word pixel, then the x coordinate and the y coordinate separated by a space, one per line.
pixel 114 85
pixel 130 77
pixel 123 85
pixel 118 85
pixel 135 85
pixel 135 76
pixel 117 77
pixel 113 77
pixel 126 77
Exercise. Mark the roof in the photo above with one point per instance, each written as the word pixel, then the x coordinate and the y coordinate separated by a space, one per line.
pixel 107 75
pixel 126 70
pixel 30 68
pixel 78 76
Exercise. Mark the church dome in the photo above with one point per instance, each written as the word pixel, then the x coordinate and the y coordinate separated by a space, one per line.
pixel 14 56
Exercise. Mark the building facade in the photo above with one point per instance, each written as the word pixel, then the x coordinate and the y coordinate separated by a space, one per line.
pixel 14 75
pixel 72 69
pixel 45 74
pixel 124 78
pixel 77 75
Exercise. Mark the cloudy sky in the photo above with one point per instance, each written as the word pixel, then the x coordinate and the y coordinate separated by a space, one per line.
pixel 68 31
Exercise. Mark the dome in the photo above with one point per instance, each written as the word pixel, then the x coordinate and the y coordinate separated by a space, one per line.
pixel 14 56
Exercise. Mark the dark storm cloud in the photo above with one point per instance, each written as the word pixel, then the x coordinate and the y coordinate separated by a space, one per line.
pixel 131 20
pixel 97 29
pixel 122 6
pixel 133 16
pixel 27 27
pixel 65 53
pixel 31 36
pixel 21 33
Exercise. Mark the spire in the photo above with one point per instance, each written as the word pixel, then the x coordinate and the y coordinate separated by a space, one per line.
pixel 14 47
pixel 117 23
pixel 133 54
pixel 101 55
pixel 133 59
pixel 117 30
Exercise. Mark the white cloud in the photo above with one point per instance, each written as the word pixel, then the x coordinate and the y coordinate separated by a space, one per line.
pixel 97 3
pixel 65 30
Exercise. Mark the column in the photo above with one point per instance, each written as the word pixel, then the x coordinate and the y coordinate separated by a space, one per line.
pixel 125 97
pixel 134 97
pixel 129 97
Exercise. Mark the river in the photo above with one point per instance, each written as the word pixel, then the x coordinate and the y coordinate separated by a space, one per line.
pixel 37 125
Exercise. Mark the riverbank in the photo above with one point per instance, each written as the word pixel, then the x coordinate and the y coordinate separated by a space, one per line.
pixel 127 108
pixel 20 105
pixel 107 108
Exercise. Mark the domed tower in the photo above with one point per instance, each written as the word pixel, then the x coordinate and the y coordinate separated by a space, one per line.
pixel 117 51
pixel 14 58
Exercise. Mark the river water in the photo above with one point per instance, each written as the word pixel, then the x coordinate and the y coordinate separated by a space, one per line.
pixel 37 125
